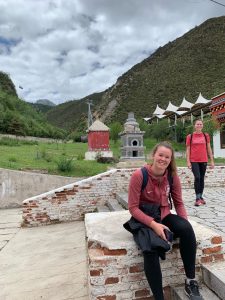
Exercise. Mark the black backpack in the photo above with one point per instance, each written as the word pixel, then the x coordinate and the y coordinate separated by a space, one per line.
pixel 145 181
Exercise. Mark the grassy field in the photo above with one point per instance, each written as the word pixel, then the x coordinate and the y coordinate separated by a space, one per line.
pixel 65 159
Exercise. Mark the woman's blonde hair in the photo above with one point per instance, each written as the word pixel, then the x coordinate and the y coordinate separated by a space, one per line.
pixel 172 168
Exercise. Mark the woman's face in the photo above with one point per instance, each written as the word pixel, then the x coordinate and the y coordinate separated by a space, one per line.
pixel 198 126
pixel 162 158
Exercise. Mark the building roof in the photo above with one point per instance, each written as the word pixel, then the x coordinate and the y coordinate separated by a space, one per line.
pixel 218 95
pixel 170 108
pixel 202 100
pixel 98 126
pixel 185 105
pixel 158 111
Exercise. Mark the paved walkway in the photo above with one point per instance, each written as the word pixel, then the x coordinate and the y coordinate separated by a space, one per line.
pixel 213 213
pixel 50 263
pixel 47 263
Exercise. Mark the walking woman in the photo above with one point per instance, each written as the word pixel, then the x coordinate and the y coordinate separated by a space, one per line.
pixel 150 210
pixel 197 151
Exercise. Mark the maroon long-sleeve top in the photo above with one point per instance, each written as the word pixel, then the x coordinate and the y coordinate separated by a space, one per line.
pixel 156 191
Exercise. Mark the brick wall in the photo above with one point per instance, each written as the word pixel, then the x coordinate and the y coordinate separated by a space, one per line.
pixel 73 201
pixel 115 269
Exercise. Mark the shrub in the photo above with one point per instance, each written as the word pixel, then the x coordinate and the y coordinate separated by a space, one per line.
pixel 65 164
pixel 12 159
pixel 80 156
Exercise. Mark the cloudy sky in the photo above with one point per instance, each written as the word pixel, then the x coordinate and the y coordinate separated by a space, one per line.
pixel 66 49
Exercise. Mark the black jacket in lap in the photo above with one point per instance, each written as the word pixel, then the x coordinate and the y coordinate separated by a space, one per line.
pixel 146 239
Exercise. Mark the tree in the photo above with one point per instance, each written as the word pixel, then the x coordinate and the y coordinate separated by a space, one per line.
pixel 160 130
pixel 115 129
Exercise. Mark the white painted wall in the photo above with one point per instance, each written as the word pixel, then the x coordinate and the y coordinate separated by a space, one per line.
pixel 217 151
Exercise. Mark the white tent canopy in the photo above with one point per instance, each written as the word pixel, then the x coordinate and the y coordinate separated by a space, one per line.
pixel 185 108
pixel 171 108
pixel 202 100
pixel 185 105
pixel 158 111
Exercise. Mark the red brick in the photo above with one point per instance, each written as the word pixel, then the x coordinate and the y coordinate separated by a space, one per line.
pixel 111 280
pixel 142 293
pixel 212 250
pixel 136 268
pixel 216 240
pixel 107 297
pixel 70 193
pixel 96 272
pixel 206 259
pixel 116 252
pixel 146 298
pixel 218 256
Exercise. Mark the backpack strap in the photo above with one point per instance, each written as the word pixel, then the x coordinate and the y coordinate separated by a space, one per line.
pixel 191 142
pixel 145 181
pixel 145 178
pixel 205 139
pixel 170 180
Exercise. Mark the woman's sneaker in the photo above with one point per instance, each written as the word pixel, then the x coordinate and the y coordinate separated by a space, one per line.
pixel 203 201
pixel 198 202
pixel 192 290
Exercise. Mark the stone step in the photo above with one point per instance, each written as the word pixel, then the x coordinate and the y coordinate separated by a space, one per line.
pixel 178 293
pixel 102 208
pixel 214 277
pixel 122 198
pixel 114 205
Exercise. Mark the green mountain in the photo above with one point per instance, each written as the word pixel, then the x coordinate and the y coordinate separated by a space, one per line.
pixel 184 67
pixel 6 84
pixel 43 105
pixel 45 102
pixel 19 117
pixel 72 115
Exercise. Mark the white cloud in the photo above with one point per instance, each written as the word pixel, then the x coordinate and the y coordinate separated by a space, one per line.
pixel 63 50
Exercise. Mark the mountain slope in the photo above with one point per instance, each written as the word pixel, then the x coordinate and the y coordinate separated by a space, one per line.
pixel 45 102
pixel 6 84
pixel 190 64
pixel 19 117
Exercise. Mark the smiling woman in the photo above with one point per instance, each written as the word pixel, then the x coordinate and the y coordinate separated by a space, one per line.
pixel 151 215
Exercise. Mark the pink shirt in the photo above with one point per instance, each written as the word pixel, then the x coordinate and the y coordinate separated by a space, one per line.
pixel 198 147
pixel 156 191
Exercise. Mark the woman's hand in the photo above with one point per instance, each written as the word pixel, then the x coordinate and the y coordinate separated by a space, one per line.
pixel 189 165
pixel 159 229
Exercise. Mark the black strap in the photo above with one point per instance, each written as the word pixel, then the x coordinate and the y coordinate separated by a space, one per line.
pixel 145 181
pixel 145 178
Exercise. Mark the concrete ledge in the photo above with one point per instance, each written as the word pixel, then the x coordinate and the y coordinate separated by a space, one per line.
pixel 15 186
pixel 116 264
pixel 214 277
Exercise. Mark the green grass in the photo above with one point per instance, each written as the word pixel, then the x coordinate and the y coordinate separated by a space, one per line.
pixel 45 157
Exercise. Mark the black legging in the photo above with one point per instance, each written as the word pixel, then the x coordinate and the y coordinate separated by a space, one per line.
pixel 182 229
pixel 199 169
